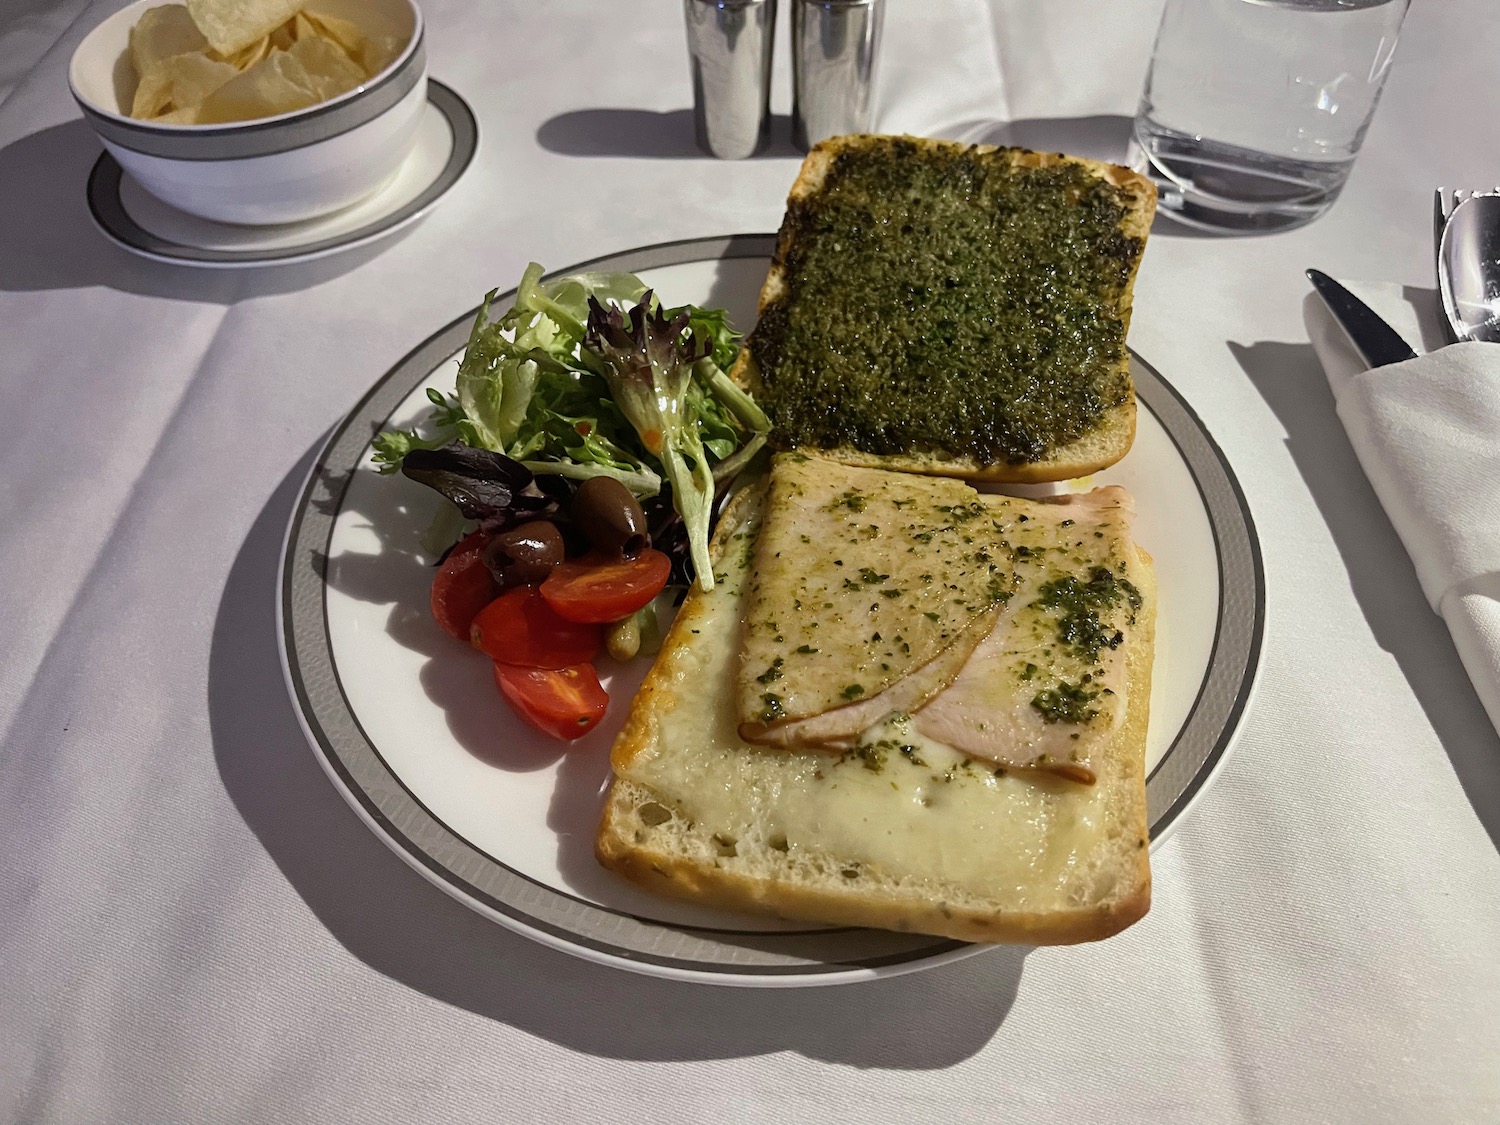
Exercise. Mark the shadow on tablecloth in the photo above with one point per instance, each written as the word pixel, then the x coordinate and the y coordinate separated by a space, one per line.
pixel 650 134
pixel 48 240
pixel 400 925
pixel 668 135
pixel 1290 379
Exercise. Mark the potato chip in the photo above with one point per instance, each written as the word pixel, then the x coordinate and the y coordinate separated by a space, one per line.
pixel 283 37
pixel 161 33
pixel 246 57
pixel 332 72
pixel 278 84
pixel 230 25
pixel 372 52
pixel 343 32
pixel 379 51
pixel 153 94
pixel 200 64
pixel 188 116
pixel 177 83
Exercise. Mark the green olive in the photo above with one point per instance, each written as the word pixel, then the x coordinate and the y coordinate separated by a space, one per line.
pixel 622 639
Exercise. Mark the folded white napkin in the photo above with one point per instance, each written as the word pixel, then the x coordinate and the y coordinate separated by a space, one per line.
pixel 1427 432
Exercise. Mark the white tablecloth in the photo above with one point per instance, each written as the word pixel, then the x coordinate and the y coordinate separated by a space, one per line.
pixel 195 928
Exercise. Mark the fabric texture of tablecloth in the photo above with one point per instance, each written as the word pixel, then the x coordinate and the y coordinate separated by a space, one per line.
pixel 195 928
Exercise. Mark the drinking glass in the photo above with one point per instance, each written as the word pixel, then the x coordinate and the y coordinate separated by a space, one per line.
pixel 1254 110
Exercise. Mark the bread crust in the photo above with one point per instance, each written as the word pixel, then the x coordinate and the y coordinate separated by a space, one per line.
pixel 1098 450
pixel 907 909
pixel 626 845
pixel 1102 446
pixel 657 697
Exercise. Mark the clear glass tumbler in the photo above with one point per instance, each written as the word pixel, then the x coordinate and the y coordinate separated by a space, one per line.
pixel 1254 110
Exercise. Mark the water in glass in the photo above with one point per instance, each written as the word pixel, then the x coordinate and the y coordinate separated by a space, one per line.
pixel 1254 110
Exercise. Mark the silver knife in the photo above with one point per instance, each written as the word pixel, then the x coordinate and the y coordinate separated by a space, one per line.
pixel 1372 337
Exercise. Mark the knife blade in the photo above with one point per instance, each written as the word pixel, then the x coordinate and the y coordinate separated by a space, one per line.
pixel 1372 337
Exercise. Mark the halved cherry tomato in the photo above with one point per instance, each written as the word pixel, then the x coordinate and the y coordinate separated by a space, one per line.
pixel 565 703
pixel 463 586
pixel 596 589
pixel 520 628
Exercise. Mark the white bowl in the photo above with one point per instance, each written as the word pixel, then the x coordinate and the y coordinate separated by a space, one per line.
pixel 281 169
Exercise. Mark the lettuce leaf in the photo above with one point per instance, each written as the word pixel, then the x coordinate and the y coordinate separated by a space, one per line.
pixel 537 385
pixel 647 362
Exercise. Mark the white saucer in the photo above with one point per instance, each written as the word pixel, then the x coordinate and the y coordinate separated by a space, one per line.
pixel 139 222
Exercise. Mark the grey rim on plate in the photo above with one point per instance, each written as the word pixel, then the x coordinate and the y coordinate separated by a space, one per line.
pixel 727 956
pixel 115 222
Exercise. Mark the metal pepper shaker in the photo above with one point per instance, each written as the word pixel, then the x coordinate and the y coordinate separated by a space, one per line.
pixel 834 47
pixel 729 46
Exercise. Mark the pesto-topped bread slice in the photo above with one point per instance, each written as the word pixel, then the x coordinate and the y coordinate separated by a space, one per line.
pixel 952 309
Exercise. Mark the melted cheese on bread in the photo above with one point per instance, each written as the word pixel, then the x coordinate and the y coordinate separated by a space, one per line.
pixel 900 830
pixel 899 803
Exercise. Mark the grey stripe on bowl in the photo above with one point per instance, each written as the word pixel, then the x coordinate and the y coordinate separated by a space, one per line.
pixel 245 139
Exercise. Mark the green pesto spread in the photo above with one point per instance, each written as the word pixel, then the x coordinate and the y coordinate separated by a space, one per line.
pixel 942 302
pixel 1077 605
pixel 1067 703
pixel 1076 608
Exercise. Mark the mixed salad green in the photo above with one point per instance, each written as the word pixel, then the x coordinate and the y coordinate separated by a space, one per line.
pixel 589 375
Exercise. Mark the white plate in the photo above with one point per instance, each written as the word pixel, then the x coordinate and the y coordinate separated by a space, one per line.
pixel 129 216
pixel 409 726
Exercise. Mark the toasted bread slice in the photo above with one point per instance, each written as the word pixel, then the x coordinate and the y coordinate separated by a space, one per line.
pixel 956 310
pixel 917 839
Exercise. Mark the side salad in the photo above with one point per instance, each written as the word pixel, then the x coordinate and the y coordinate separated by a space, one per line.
pixel 591 436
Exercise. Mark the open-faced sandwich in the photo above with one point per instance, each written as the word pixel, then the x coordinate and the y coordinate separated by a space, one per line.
pixel 906 703
pixel 957 309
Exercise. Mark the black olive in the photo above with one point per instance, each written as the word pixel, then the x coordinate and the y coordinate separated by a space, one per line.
pixel 524 555
pixel 610 516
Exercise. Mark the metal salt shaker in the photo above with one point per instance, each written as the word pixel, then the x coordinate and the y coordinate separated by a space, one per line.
pixel 834 45
pixel 729 44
